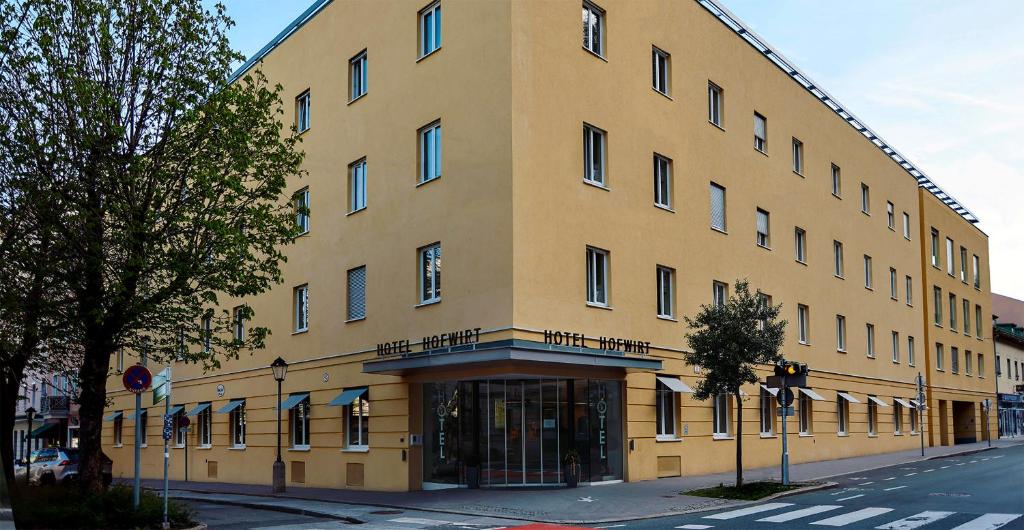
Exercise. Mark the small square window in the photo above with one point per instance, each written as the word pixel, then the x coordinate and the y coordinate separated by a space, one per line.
pixel 837 181
pixel 430 152
pixel 865 199
pixel 301 203
pixel 301 304
pixel 357 186
pixel 763 234
pixel 715 101
pixel 662 182
pixel 666 280
pixel 760 133
pixel 800 244
pixel 597 276
pixel 593 155
pixel 798 156
pixel 430 273
pixel 718 207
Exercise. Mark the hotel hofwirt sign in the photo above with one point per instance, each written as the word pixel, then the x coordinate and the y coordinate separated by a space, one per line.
pixel 464 337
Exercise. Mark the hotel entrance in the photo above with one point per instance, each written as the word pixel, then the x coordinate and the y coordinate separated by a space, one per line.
pixel 516 432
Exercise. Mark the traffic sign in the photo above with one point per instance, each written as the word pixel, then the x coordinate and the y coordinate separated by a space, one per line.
pixel 162 385
pixel 168 426
pixel 787 393
pixel 137 379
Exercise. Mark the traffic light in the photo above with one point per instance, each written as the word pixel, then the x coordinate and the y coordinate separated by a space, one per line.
pixel 791 369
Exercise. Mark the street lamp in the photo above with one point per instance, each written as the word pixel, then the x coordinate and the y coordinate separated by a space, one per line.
pixel 30 413
pixel 280 369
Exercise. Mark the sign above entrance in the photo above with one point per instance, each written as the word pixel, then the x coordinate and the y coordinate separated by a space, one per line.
pixel 579 340
pixel 430 342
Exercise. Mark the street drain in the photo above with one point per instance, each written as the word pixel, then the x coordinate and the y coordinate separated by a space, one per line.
pixel 386 512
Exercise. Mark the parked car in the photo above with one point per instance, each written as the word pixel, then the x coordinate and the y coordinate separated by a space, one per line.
pixel 53 465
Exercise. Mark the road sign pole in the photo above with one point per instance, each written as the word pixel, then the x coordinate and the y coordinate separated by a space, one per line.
pixel 138 451
pixel 920 408
pixel 167 440
pixel 785 441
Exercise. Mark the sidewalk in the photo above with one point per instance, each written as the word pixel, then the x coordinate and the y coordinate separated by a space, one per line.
pixel 593 504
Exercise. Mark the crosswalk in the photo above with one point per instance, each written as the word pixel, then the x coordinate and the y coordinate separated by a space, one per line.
pixel 828 515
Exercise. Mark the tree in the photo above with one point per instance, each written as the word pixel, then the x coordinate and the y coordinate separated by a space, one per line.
pixel 168 174
pixel 727 342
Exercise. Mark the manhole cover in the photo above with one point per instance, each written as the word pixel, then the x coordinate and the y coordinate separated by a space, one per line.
pixel 386 512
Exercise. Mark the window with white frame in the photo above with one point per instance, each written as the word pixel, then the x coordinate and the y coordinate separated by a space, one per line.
pixel 715 99
pixel 120 360
pixel 897 417
pixel 357 76
pixel 908 290
pixel 298 424
pixel 870 331
pixel 800 244
pixel 720 412
pixel 767 413
pixel 356 293
pixel 869 280
pixel 204 427
pixel 895 346
pixel 954 359
pixel 865 198
pixel 935 248
pixel 430 29
pixel 981 364
pixel 798 157
pixel 430 152
pixel 967 316
pixel 301 203
pixel 940 360
pixel 429 261
pixel 963 264
pixel 803 324
pixel 660 69
pixel 597 276
pixel 872 417
pixel 840 333
pixel 593 155
pixel 952 312
pixel 763 233
pixel 977 321
pixel 977 272
pixel 238 317
pixel 837 259
pixel 142 418
pixel 662 181
pixel 718 221
pixel 357 426
pixel 842 415
pixel 760 132
pixel 236 419
pixel 806 405
pixel 300 301
pixel 913 420
pixel 719 293
pixel 302 111
pixel 950 260
pixel 207 333
pixel 893 287
pixel 890 214
pixel 837 181
pixel 906 225
pixel 968 362
pixel 119 429
pixel 667 406
pixel 666 291
pixel 593 28
pixel 937 302
pixel 910 351
pixel 357 185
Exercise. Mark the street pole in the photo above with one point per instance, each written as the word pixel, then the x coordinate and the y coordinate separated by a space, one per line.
pixel 785 439
pixel 920 408
pixel 278 464
pixel 167 441
pixel 138 451
pixel 28 438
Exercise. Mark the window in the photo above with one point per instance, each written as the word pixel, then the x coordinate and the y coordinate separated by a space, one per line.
pixel 897 417
pixel 890 212
pixel 762 228
pixel 714 104
pixel 358 422
pixel 662 182
pixel 720 411
pixel 909 290
pixel 954 359
pixel 872 416
pixel 204 427
pixel 940 360
pixel 593 155
pixel 207 333
pixel 841 333
pixel 806 414
pixel 800 244
pixel 667 405
pixel 893 289
pixel 950 261
pixel 357 293
pixel 718 207
pixel 719 293
pixel 837 258
pixel 238 316
pixel 981 365
pixel 802 324
pixel 968 362
pixel 430 152
pixel 298 424
pixel 300 299
pixel 937 292
pixel 430 273
pixel 869 281
pixel 895 346
pixel 119 428
pixel 142 419
pixel 660 68
pixel 865 198
pixel 837 181
pixel 935 248
pixel 963 264
pixel 842 415
pixel 977 273
pixel 593 28
pixel 798 156
pixel 666 292
pixel 301 202
pixel 913 420
pixel 302 111
pixel 236 418
pixel 977 321
pixel 871 340
pixel 597 276
pixel 430 29
pixel 910 351
pixel 906 225
pixel 767 413
pixel 967 317
pixel 180 433
pixel 357 186
pixel 1009 373
pixel 952 312
pixel 760 132
pixel 357 76
pixel 120 360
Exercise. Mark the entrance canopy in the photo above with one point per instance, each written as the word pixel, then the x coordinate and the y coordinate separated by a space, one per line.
pixel 42 429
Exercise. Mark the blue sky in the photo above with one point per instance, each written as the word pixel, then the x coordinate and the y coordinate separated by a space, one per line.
pixel 941 80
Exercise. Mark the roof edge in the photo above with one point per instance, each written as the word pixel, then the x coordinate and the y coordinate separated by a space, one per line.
pixel 291 28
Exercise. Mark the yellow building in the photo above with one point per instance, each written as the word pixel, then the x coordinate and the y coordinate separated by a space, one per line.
pixel 586 199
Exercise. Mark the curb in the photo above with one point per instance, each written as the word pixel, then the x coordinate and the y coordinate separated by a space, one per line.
pixel 924 459
pixel 272 508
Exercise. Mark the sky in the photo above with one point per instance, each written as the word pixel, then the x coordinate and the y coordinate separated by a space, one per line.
pixel 941 80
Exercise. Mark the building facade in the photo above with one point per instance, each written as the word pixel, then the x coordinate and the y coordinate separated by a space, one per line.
pixel 586 197
pixel 1009 342
pixel 51 397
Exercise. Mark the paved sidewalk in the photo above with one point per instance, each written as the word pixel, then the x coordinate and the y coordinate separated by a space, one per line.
pixel 593 504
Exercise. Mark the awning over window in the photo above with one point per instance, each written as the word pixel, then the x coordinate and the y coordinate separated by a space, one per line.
pixel 294 399
pixel 232 405
pixel 198 408
pixel 347 397
pixel 811 394
pixel 915 403
pixel 133 414
pixel 114 416
pixel 42 429
pixel 878 402
pixel 848 397
pixel 772 391
pixel 175 409
pixel 903 402
pixel 675 384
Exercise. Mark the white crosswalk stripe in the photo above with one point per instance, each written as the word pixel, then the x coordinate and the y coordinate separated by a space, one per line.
pixel 803 512
pixel 419 521
pixel 915 521
pixel 695 526
pixel 748 511
pixel 852 517
pixel 989 521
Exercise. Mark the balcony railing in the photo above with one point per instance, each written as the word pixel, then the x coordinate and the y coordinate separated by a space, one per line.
pixel 55 406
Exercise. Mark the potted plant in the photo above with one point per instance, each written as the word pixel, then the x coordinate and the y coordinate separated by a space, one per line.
pixel 572 468
pixel 473 471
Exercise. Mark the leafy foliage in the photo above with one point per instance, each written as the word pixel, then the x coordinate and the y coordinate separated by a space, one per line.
pixel 63 507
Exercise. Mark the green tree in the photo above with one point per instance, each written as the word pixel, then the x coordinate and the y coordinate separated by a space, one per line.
pixel 728 342
pixel 169 175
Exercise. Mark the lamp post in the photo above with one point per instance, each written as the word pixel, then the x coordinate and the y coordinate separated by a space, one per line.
pixel 30 413
pixel 280 368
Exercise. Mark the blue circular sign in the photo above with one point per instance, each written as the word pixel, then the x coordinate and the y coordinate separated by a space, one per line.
pixel 137 379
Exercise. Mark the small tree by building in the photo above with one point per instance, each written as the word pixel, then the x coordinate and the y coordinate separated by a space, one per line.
pixel 727 341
